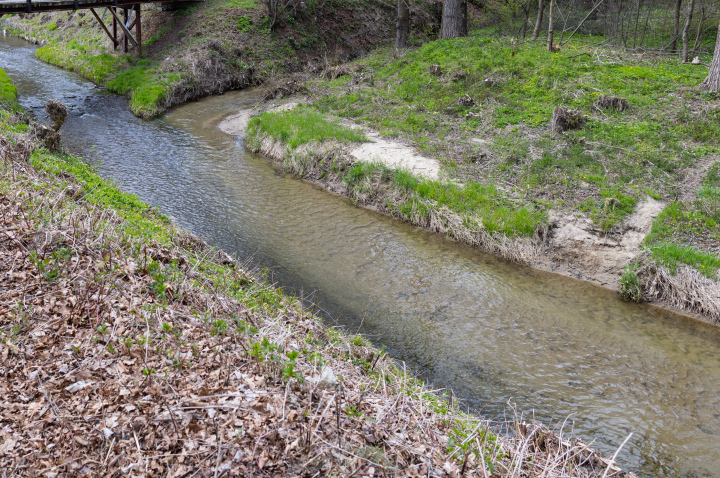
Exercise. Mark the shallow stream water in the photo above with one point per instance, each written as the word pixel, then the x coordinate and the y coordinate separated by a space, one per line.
pixel 493 332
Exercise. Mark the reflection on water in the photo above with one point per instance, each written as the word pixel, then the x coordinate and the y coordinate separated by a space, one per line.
pixel 490 330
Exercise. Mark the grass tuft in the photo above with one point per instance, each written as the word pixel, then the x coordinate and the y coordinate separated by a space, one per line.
pixel 302 125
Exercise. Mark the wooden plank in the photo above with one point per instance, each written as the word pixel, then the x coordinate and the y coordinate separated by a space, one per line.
pixel 102 24
pixel 21 6
pixel 138 30
pixel 124 28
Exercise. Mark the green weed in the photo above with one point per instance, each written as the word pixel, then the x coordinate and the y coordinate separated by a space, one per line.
pixel 630 284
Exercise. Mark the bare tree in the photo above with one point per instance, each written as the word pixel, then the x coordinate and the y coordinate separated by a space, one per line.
pixel 454 19
pixel 538 22
pixel 712 82
pixel 551 32
pixel 676 33
pixel 685 29
pixel 402 28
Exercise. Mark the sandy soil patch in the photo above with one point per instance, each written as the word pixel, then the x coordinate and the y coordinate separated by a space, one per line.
pixel 391 153
pixel 236 124
pixel 579 250
pixel 395 155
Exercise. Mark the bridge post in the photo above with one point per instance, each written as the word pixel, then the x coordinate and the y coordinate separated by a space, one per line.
pixel 114 28
pixel 29 6
pixel 138 30
pixel 125 38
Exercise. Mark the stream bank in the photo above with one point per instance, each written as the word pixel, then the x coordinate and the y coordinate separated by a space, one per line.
pixel 369 174
pixel 629 200
pixel 493 332
pixel 133 346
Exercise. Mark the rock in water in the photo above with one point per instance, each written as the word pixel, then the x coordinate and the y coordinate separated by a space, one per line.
pixel 58 113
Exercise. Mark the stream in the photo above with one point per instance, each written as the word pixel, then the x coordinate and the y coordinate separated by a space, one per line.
pixel 495 333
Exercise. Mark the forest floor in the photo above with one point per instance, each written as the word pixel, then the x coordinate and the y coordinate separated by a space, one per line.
pixel 627 197
pixel 129 347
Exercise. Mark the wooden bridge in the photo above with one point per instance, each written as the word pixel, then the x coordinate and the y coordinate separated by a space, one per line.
pixel 124 15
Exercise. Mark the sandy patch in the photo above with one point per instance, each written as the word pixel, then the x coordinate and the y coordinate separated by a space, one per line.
pixel 395 155
pixel 586 253
pixel 236 124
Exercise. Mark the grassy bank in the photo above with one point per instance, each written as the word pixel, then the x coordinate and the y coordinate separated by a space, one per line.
pixel 316 147
pixel 209 47
pixel 134 347
pixel 8 92
pixel 483 106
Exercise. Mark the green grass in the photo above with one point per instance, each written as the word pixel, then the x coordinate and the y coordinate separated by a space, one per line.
pixel 8 92
pixel 303 125
pixel 121 74
pixel 630 284
pixel 682 230
pixel 146 87
pixel 471 200
pixel 672 254
pixel 141 220
pixel 486 88
pixel 74 56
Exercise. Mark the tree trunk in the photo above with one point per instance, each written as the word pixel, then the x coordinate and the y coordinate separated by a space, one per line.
pixel 686 27
pixel 538 22
pixel 551 32
pixel 637 20
pixel 700 25
pixel 526 11
pixel 676 32
pixel 454 19
pixel 712 82
pixel 402 28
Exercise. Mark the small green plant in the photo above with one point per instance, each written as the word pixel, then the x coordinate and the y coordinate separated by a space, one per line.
pixel 288 367
pixel 166 327
pixel 462 445
pixel 247 329
pixel 143 340
pixel 244 24
pixel 102 329
pixel 158 286
pixel 315 358
pixel 352 411
pixel 51 267
pixel 218 327
pixel 630 284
